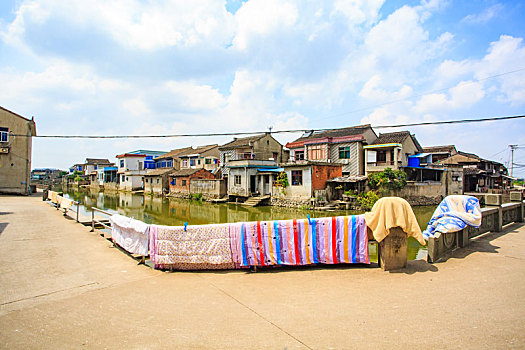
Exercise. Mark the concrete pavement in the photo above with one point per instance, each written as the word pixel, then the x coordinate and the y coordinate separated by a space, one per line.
pixel 62 286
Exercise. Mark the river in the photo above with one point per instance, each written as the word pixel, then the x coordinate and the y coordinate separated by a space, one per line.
pixel 173 211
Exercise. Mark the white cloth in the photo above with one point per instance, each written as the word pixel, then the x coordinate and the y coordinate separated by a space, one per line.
pixel 132 235
pixel 66 203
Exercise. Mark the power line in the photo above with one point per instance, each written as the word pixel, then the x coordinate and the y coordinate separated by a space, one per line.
pixel 419 95
pixel 461 121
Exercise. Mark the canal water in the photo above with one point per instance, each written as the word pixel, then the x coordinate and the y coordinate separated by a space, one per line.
pixel 175 212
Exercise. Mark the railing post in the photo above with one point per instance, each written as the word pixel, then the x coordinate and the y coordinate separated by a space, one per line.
pixel 496 200
pixel 517 196
pixel 92 220
pixel 462 237
pixel 393 250
pixel 78 206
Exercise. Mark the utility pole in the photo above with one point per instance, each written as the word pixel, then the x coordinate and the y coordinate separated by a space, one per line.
pixel 512 148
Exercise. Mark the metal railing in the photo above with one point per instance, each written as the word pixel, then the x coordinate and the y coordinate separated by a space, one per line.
pixel 95 221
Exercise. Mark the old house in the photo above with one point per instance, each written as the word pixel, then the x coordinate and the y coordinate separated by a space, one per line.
pixel 391 150
pixel 132 167
pixel 306 180
pixel 341 146
pixel 206 157
pixel 15 152
pixel 92 167
pixel 258 147
pixel 251 177
pixel 157 181
pixel 180 180
pixel 480 175
pixel 440 152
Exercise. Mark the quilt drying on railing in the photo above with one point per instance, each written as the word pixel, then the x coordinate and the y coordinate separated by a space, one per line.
pixel 199 247
pixel 453 214
pixel 330 240
pixel 132 235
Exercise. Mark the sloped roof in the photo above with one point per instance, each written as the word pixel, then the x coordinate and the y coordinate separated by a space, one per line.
pixel 241 142
pixel 472 171
pixel 460 158
pixel 185 172
pixel 197 150
pixel 173 153
pixel 159 172
pixel 350 131
pixel 440 149
pixel 397 137
pixel 97 161
pixel 31 121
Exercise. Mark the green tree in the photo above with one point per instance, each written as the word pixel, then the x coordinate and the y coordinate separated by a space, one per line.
pixel 387 179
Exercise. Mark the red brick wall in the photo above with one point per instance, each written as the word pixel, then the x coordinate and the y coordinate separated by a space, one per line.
pixel 322 173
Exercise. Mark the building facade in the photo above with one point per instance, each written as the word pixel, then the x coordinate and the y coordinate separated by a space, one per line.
pixel 391 150
pixel 15 152
pixel 340 146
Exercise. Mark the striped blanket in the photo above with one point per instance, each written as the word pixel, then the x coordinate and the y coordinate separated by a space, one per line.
pixel 453 214
pixel 331 240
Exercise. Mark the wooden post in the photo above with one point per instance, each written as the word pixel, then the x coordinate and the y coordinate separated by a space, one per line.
pixel 393 250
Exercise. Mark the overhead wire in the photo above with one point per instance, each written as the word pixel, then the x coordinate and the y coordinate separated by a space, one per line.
pixel 460 121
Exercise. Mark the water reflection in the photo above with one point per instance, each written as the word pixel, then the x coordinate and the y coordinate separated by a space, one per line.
pixel 164 211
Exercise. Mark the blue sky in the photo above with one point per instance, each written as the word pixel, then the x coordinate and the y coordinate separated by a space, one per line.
pixel 167 67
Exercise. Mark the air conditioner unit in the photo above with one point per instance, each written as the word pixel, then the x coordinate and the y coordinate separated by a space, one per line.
pixel 4 150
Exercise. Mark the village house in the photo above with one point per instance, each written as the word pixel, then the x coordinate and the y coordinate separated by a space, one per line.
pixel 170 160
pixel 341 146
pixel 132 167
pixel 180 180
pixel 206 157
pixel 15 152
pixel 391 150
pixel 258 147
pixel 307 181
pixel 251 177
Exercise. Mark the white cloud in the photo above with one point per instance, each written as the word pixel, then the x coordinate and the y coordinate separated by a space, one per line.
pixel 133 24
pixel 484 16
pixel 359 11
pixel 257 18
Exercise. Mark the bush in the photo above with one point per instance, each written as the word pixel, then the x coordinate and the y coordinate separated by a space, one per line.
pixel 197 196
pixel 388 179
pixel 367 200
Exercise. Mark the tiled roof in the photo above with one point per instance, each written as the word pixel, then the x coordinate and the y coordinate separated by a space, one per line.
pixel 158 172
pixel 185 172
pixel 472 171
pixel 241 142
pixel 197 150
pixel 173 153
pixel 440 149
pixel 460 158
pixel 350 131
pixel 396 137
pixel 97 161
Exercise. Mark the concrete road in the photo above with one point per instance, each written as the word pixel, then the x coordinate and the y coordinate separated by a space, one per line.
pixel 62 286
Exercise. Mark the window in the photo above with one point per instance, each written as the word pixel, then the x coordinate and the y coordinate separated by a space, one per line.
pixel 381 156
pixel 174 181
pixel 140 165
pixel 275 155
pixel 392 156
pixel 157 181
pixel 344 152
pixel 123 178
pixel 185 163
pixel 127 178
pixel 146 180
pixel 122 163
pixel 299 155
pixel 207 161
pixel 316 152
pixel 96 167
pixel 4 134
pixel 169 163
pixel 246 155
pixel 237 180
pixel 297 177
pixel 183 182
pixel 192 162
pixel 227 158
pixel 199 162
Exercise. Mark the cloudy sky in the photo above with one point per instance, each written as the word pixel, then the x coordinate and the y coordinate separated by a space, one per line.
pixel 124 67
